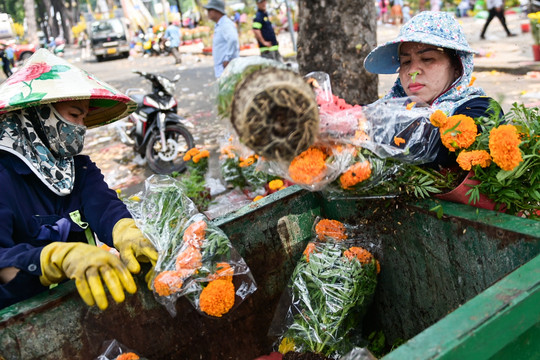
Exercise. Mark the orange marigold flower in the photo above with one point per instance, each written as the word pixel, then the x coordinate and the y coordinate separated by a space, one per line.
pixel 398 141
pixel 224 271
pixel 168 282
pixel 247 162
pixel 189 258
pixel 330 228
pixel 468 159
pixel 190 153
pixel 258 197
pixel 309 249
pixel 458 132
pixel 194 233
pixel 359 253
pixel 308 167
pixel 504 147
pixel 438 118
pixel 361 136
pixel 355 174
pixel 275 184
pixel 127 356
pixel 217 298
pixel 410 105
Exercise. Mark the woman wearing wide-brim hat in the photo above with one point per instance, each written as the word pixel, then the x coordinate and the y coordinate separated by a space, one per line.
pixel 434 63
pixel 52 195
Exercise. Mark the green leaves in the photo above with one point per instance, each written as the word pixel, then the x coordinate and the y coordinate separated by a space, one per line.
pixel 329 295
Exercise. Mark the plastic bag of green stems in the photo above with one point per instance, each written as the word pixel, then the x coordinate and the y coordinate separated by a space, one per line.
pixel 161 211
pixel 195 258
pixel 234 73
pixel 205 268
pixel 327 296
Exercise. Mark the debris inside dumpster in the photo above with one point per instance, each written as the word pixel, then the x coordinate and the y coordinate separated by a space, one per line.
pixel 196 258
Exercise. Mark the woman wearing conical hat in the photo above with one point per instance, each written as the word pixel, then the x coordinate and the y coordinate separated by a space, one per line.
pixel 51 194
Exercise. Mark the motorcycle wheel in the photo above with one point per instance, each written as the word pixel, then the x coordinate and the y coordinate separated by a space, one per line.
pixel 161 162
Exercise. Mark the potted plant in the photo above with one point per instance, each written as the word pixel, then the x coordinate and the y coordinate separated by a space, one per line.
pixel 535 31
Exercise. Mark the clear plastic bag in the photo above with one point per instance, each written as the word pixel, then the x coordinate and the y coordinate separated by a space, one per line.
pixel 327 296
pixel 235 72
pixel 113 350
pixel 195 257
pixel 314 168
pixel 400 129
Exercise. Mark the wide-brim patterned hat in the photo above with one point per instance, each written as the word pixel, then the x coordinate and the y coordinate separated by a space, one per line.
pixel 429 27
pixel 45 78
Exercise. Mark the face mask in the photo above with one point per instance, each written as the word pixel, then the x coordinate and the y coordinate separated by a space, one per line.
pixel 65 138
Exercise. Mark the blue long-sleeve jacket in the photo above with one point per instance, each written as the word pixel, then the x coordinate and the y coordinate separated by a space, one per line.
pixel 29 213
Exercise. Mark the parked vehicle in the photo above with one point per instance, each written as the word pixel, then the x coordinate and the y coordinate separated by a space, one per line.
pixel 156 131
pixel 21 52
pixel 109 38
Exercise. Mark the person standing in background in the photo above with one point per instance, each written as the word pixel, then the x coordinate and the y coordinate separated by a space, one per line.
pixel 225 45
pixel 496 9
pixel 172 33
pixel 5 60
pixel 264 33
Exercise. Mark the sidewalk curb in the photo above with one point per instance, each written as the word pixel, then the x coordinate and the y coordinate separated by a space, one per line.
pixel 514 70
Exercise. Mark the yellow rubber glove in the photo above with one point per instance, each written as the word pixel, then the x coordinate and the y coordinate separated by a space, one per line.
pixel 89 266
pixel 132 245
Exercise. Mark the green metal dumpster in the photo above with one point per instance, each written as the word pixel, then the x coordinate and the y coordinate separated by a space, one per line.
pixel 463 286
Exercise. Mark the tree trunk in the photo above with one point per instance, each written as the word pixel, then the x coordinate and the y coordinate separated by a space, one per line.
pixel 59 7
pixel 30 14
pixel 335 36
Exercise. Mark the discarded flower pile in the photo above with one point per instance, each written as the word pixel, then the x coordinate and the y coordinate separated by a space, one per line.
pixel 196 259
pixel 504 157
pixel 329 290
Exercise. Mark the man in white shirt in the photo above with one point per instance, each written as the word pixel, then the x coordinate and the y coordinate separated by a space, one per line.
pixel 496 9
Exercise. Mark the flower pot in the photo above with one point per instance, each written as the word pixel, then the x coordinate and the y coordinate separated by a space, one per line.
pixel 525 27
pixel 536 52
pixel 458 195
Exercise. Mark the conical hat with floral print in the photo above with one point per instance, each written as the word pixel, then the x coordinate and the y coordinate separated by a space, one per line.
pixel 45 78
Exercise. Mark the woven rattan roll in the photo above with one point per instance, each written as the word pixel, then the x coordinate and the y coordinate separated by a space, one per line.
pixel 275 113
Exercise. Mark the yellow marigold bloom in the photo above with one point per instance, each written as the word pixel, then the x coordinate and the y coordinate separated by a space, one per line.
pixel 194 233
pixel 330 228
pixel 190 258
pixel 127 356
pixel 168 283
pixel 504 147
pixel 217 298
pixel 458 132
pixel 258 197
pixel 308 250
pixel 438 118
pixel 135 198
pixel 398 141
pixel 308 167
pixel 467 159
pixel 275 184
pixel 286 345
pixel 410 105
pixel 355 174
pixel 224 271
pixel 118 192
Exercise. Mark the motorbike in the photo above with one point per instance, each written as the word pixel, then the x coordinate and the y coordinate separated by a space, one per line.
pixel 156 132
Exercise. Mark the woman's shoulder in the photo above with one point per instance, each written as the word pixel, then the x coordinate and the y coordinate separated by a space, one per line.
pixel 475 107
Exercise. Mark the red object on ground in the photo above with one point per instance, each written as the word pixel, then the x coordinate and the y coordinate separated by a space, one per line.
pixel 536 52
pixel 458 195
pixel 272 356
pixel 525 27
